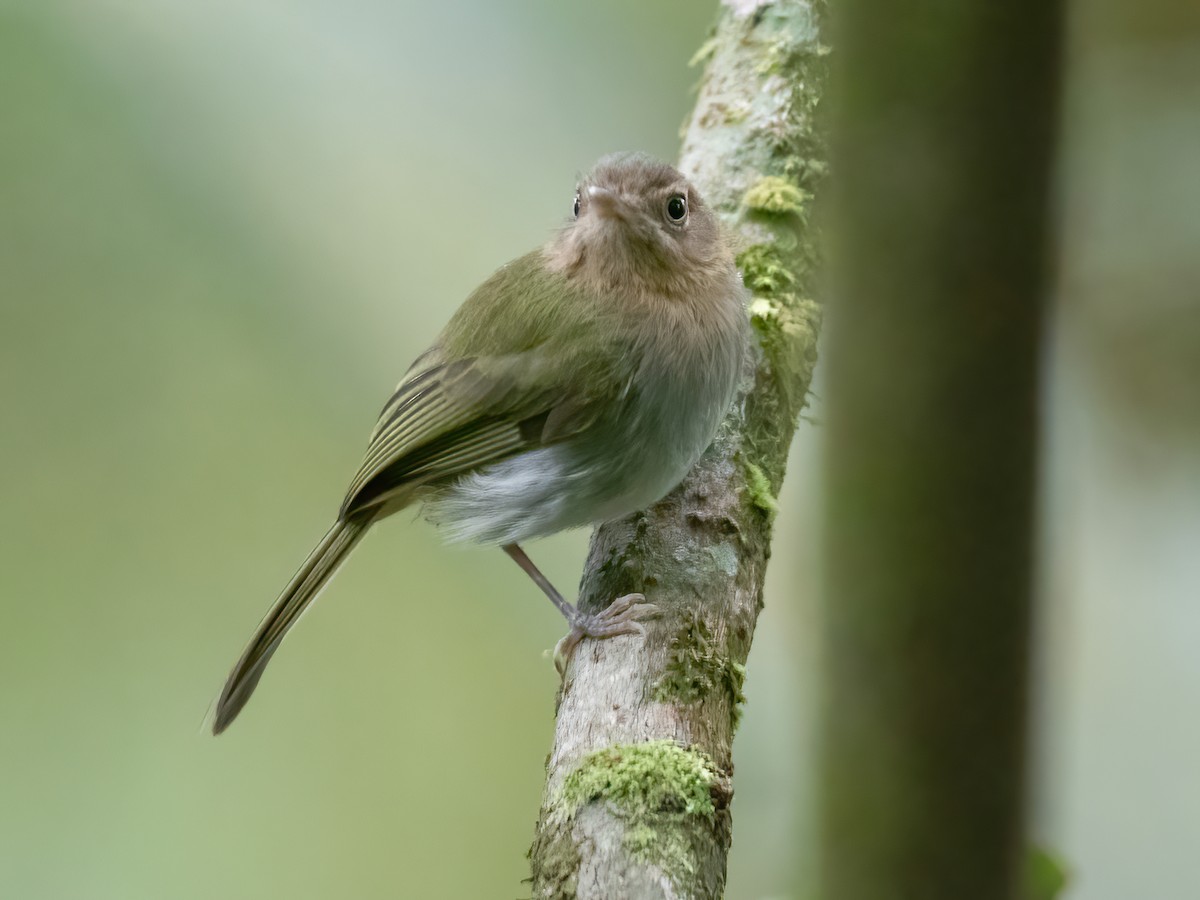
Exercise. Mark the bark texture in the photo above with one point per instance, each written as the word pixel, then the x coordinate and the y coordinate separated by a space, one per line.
pixel 639 780
pixel 943 128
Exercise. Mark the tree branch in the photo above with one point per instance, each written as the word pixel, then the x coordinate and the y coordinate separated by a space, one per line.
pixel 640 778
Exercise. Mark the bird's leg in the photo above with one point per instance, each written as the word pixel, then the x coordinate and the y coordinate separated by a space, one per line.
pixel 621 616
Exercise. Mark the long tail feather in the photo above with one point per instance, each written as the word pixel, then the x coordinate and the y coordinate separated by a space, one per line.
pixel 300 592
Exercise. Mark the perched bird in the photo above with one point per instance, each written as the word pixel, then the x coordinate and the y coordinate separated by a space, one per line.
pixel 576 385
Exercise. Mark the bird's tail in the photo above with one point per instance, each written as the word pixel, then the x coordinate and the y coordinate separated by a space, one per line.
pixel 300 592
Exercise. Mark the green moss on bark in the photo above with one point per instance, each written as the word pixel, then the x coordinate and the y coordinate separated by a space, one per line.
pixel 767 272
pixel 785 321
pixel 662 792
pixel 758 490
pixel 776 196
pixel 697 666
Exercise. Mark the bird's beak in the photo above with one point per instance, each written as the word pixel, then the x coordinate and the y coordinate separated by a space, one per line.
pixel 606 203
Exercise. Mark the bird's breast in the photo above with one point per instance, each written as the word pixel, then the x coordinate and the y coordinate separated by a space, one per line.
pixel 679 392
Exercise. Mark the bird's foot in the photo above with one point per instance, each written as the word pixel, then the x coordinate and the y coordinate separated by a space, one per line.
pixel 621 617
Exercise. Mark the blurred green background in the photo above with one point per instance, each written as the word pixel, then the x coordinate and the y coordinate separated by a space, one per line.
pixel 225 230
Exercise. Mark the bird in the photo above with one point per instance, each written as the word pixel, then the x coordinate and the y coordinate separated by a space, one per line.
pixel 578 384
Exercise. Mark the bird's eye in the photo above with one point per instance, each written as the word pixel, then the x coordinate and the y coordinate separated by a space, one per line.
pixel 677 208
pixel 575 208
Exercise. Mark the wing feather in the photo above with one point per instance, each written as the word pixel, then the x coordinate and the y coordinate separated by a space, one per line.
pixel 447 418
pixel 499 381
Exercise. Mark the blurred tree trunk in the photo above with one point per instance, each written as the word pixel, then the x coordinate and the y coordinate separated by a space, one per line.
pixel 639 781
pixel 943 128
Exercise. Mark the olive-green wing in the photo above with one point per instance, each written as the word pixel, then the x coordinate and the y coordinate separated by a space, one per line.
pixel 447 418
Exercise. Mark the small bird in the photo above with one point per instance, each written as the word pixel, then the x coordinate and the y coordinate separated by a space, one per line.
pixel 576 385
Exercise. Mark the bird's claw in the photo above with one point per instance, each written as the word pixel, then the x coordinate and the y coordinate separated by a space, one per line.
pixel 622 616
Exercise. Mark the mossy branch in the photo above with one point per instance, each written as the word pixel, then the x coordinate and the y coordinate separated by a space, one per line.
pixel 640 777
